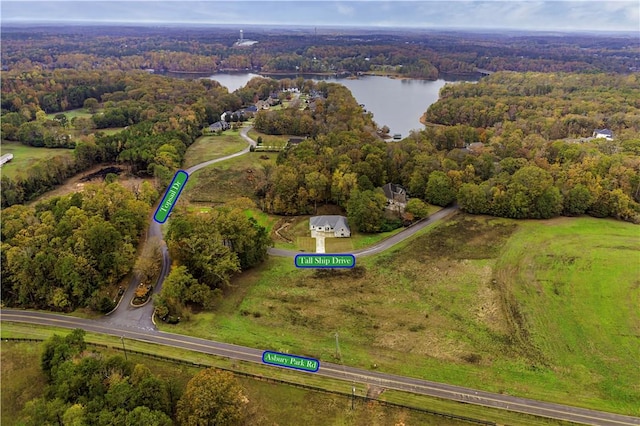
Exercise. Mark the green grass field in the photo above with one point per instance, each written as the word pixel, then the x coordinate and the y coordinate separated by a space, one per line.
pixel 273 141
pixel 111 130
pixel 73 113
pixel 469 302
pixel 210 147
pixel 229 179
pixel 25 156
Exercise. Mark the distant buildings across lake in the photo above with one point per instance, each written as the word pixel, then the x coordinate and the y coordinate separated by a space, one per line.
pixel 396 103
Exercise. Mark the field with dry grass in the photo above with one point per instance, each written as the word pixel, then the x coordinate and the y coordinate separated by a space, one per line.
pixel 489 303
pixel 230 179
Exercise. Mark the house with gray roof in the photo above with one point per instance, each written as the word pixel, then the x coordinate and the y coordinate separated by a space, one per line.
pixel 603 133
pixel 334 224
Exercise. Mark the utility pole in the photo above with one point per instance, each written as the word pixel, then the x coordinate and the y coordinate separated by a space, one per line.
pixel 338 354
pixel 353 397
pixel 123 348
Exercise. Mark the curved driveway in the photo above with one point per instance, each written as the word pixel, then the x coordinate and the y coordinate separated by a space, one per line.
pixel 350 374
pixel 126 315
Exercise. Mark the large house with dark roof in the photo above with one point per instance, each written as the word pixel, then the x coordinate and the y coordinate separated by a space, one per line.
pixel 218 126
pixel 396 197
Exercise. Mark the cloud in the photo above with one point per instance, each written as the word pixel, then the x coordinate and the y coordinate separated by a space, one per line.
pixel 344 10
pixel 515 14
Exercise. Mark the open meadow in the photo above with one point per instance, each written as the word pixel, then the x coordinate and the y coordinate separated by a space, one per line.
pixel 541 309
pixel 275 142
pixel 230 179
pixel 210 147
pixel 25 156
pixel 72 113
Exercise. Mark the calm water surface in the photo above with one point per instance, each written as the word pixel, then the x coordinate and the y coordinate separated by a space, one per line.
pixel 394 102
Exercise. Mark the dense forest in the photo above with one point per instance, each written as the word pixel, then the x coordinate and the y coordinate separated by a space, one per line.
pixel 552 105
pixel 160 118
pixel 67 252
pixel 426 54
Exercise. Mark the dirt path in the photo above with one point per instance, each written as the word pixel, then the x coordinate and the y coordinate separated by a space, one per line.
pixel 75 183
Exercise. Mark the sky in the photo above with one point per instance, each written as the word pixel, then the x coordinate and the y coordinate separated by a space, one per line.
pixel 543 15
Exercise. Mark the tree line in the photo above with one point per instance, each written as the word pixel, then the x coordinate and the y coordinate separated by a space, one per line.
pixel 414 54
pixel 87 387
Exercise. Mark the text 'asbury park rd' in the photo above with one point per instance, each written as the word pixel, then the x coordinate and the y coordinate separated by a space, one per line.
pixel 291 361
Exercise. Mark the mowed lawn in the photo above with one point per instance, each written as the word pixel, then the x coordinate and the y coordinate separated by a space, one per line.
pixel 25 156
pixel 211 147
pixel 541 309
pixel 72 113
pixel 271 141
pixel 227 180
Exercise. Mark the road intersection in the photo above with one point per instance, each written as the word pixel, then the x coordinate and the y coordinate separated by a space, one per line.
pixel 136 323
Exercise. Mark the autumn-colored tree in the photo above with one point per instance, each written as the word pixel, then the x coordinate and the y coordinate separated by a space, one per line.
pixel 212 397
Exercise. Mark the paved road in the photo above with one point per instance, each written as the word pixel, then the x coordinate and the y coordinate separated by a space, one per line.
pixel 135 323
pixel 126 315
pixel 349 374
pixel 385 244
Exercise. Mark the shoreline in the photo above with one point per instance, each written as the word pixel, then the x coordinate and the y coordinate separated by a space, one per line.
pixel 295 74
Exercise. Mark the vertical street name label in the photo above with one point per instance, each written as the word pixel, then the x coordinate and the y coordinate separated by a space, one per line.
pixel 325 261
pixel 171 196
pixel 291 361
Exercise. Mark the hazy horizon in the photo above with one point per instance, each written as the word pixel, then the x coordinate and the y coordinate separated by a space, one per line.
pixel 473 15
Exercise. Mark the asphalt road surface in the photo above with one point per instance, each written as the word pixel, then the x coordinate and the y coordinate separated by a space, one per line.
pixel 349 374
pixel 125 314
pixel 135 323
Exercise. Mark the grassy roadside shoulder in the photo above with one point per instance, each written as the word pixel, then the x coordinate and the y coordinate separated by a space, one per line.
pixel 282 403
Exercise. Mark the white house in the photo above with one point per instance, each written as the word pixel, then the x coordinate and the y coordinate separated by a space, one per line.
pixel 330 224
pixel 603 133
pixel 6 158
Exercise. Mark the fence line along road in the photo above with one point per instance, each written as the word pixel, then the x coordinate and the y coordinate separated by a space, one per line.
pixel 388 381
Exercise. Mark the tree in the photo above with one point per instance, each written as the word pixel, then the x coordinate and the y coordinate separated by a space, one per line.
pixel 144 416
pixel 440 190
pixel 60 349
pixel 417 208
pixel 473 198
pixel 365 210
pixel 212 397
pixel 90 104
pixel 148 264
pixel 577 200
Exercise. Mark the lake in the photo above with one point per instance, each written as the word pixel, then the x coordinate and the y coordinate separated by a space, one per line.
pixel 397 103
